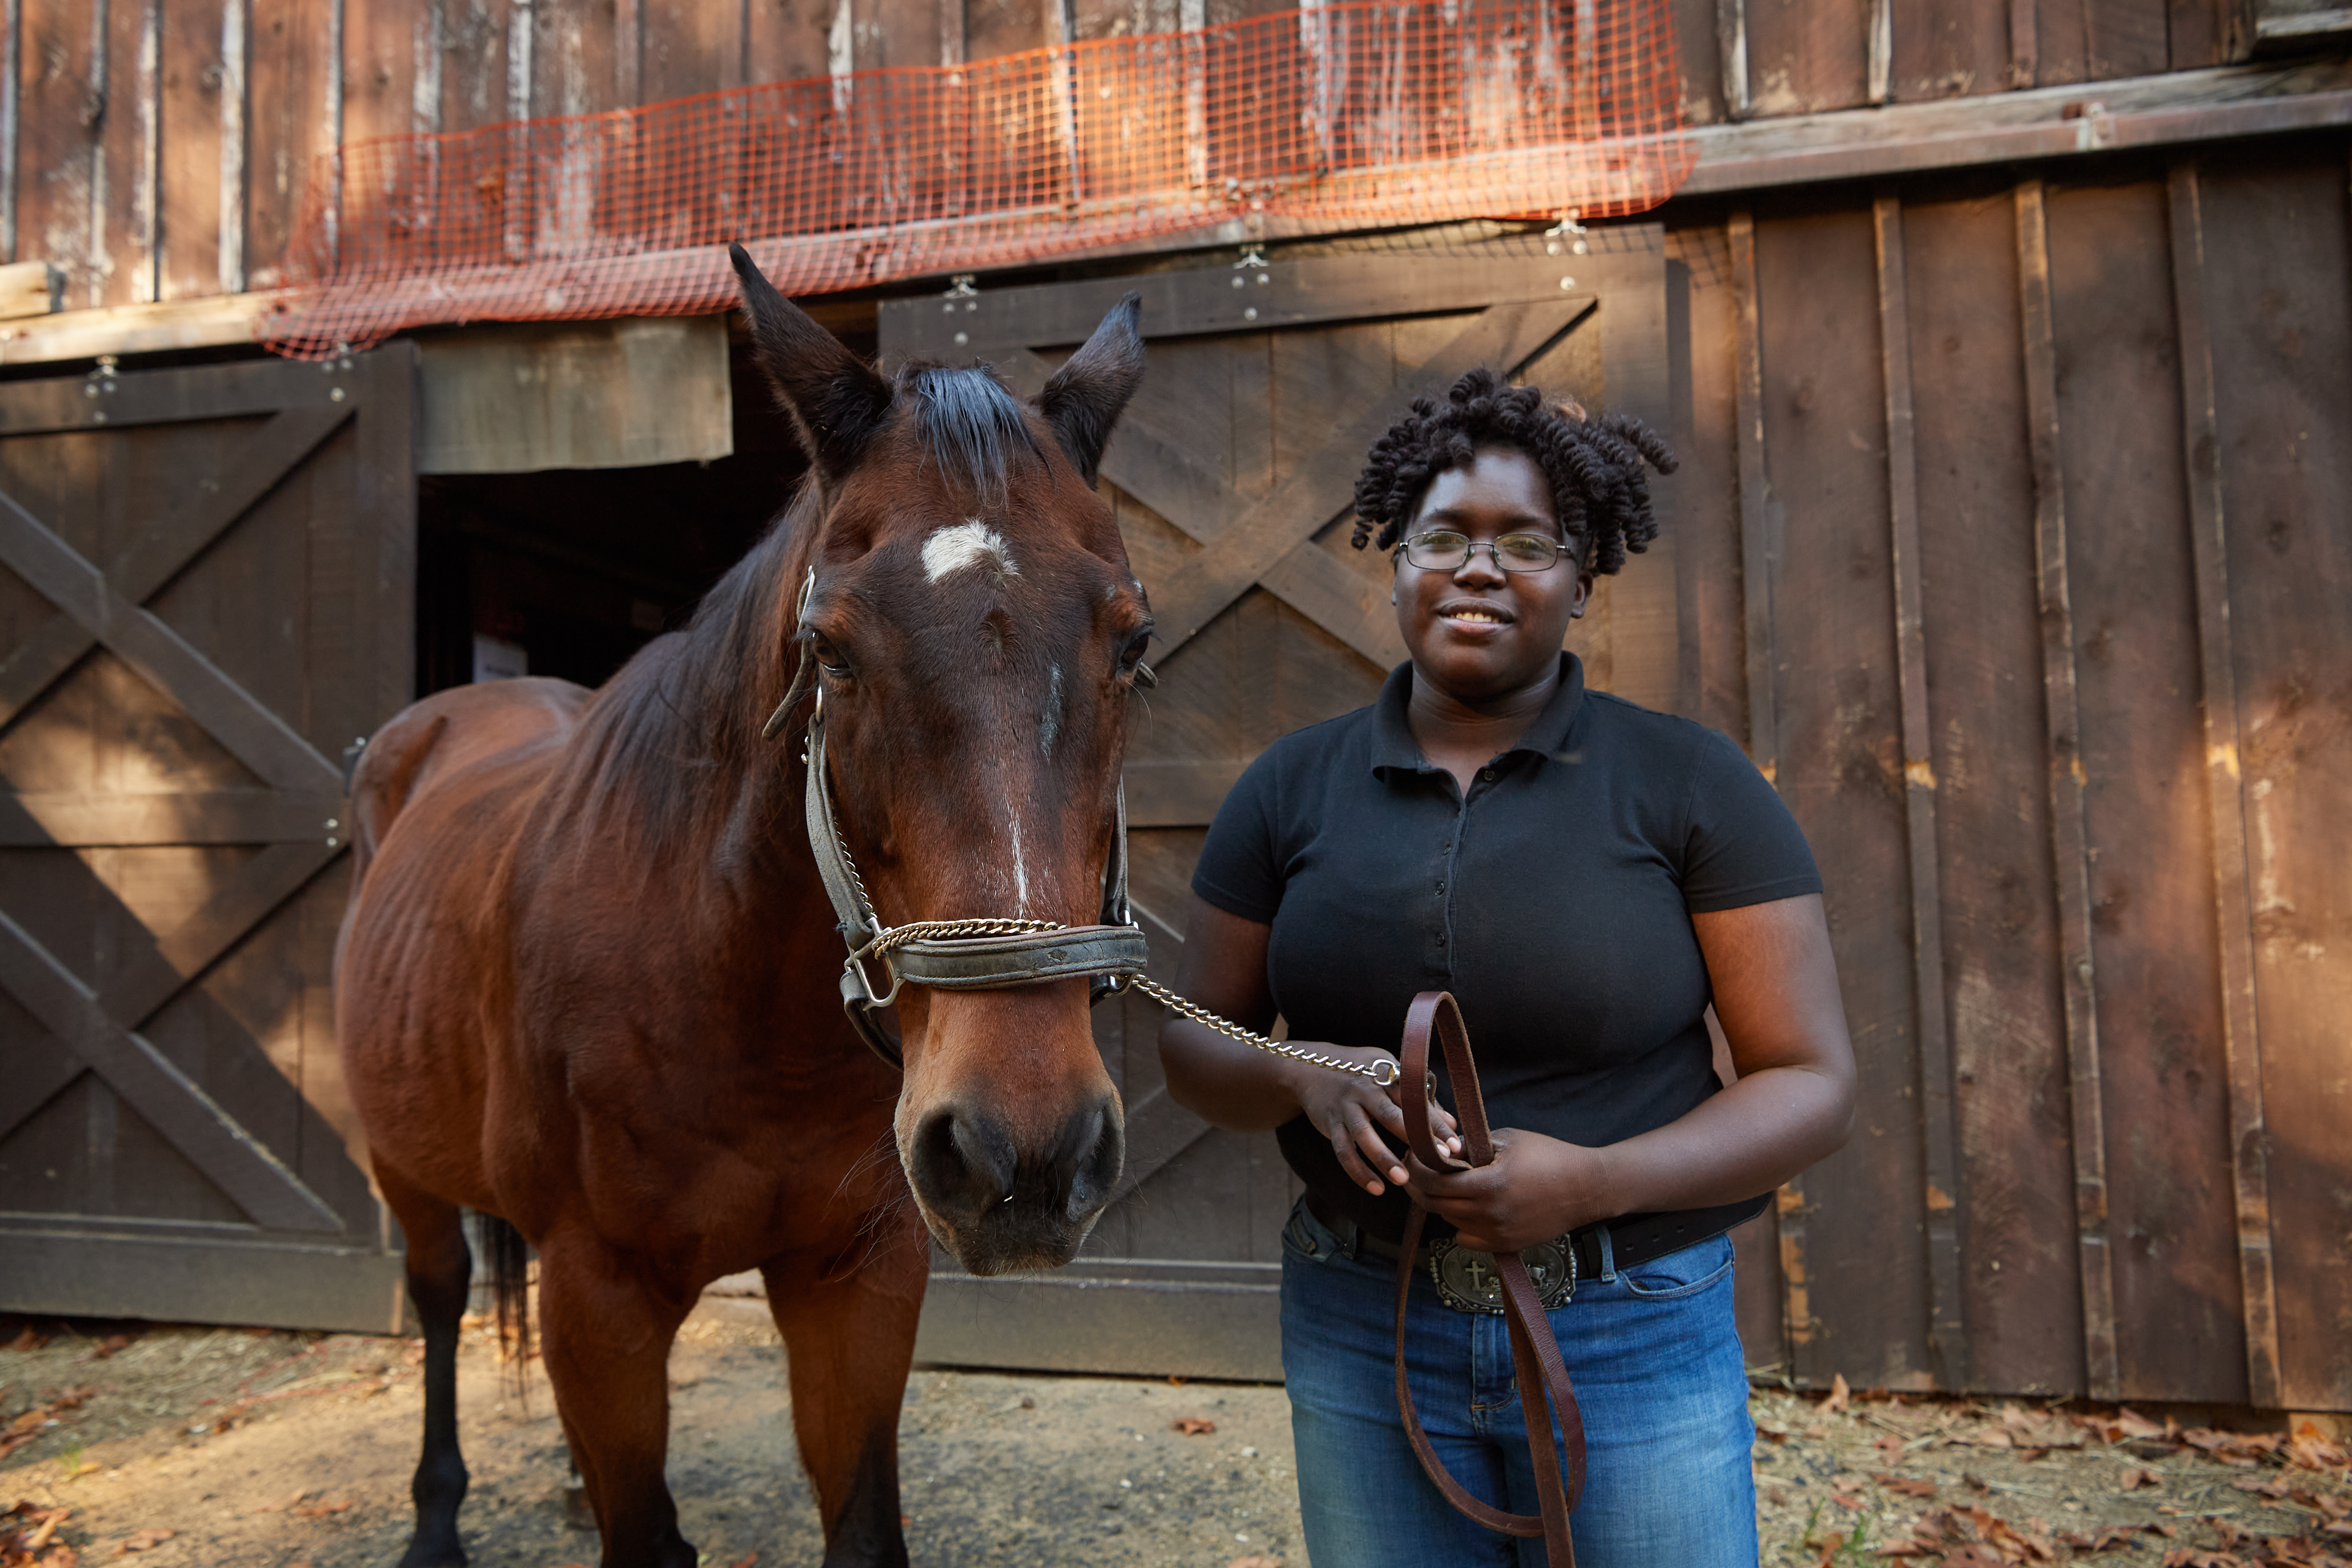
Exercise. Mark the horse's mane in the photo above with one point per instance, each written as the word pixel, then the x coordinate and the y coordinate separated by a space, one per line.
pixel 664 746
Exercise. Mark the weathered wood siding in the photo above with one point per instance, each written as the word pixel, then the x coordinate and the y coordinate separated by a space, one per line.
pixel 2082 819
pixel 160 149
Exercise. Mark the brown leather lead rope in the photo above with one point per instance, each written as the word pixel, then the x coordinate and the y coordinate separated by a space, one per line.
pixel 1535 1352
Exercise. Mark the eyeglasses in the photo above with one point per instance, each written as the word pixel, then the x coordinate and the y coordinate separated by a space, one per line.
pixel 1444 550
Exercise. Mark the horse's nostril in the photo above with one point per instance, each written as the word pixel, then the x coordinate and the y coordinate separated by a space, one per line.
pixel 964 1166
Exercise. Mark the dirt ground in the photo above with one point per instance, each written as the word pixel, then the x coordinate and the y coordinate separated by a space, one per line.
pixel 204 1446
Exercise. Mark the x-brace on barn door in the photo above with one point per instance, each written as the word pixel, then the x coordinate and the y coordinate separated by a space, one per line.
pixel 204 598
pixel 1232 474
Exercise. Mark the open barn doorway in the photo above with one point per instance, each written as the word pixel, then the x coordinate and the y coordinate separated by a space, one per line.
pixel 568 572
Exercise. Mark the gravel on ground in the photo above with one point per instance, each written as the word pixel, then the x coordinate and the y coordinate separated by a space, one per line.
pixel 206 1445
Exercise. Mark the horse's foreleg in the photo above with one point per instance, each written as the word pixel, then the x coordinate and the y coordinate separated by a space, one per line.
pixel 848 1340
pixel 440 1271
pixel 605 1336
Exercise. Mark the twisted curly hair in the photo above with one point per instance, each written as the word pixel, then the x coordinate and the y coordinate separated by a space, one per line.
pixel 1597 486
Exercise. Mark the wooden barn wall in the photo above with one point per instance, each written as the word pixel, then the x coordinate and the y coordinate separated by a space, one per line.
pixel 2018 523
pixel 160 149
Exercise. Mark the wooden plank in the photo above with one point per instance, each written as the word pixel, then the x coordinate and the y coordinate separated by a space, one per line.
pixel 2163 1074
pixel 259 738
pixel 384 44
pixel 383 509
pixel 1759 546
pixel 29 289
pixel 1804 58
pixel 1860 1260
pixel 117 1267
pixel 1708 497
pixel 690 49
pixel 787 42
pixel 86 820
pixel 2273 505
pixel 50 175
pixel 1315 491
pixel 2241 1036
pixel 2208 32
pixel 590 394
pixel 12 65
pixel 1952 49
pixel 173 1103
pixel 2043 122
pixel 290 123
pixel 157 554
pixel 195 105
pixel 1947 1341
pixel 1731 50
pixel 1996 966
pixel 2067 782
pixel 1218 298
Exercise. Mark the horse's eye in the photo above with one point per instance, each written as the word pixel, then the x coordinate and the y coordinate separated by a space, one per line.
pixel 1130 658
pixel 829 659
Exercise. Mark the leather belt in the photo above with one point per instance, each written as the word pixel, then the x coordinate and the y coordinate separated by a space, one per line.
pixel 1635 1239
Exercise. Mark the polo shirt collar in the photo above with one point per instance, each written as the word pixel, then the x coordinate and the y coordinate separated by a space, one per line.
pixel 1394 747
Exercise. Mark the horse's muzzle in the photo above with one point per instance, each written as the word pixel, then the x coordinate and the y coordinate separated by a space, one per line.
pixel 998 1205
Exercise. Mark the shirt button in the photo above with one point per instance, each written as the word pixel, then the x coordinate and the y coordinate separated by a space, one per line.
pixel 1486 774
pixel 1441 887
pixel 1441 939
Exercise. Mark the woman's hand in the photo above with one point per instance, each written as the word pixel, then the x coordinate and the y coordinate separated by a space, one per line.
pixel 1535 1189
pixel 1350 1111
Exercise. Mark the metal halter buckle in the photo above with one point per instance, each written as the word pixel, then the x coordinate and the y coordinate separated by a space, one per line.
pixel 1467 1281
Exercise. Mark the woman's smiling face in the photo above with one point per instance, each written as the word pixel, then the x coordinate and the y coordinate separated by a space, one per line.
pixel 1477 632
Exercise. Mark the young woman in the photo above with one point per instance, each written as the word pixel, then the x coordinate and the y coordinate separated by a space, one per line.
pixel 1586 877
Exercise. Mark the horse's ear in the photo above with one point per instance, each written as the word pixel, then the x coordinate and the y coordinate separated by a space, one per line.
pixel 835 400
pixel 1084 398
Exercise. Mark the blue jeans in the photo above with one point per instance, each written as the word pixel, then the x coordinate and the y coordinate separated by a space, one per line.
pixel 1654 1354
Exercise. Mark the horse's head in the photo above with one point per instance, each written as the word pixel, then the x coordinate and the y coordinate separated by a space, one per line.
pixel 975 631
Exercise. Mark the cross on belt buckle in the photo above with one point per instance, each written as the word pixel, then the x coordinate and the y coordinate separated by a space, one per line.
pixel 1467 1280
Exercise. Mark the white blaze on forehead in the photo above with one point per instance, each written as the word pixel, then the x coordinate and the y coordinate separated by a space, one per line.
pixel 968 543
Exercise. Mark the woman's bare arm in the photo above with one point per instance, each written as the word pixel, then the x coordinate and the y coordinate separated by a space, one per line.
pixel 1236 1085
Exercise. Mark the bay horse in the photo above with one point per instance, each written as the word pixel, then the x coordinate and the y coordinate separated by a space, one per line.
pixel 586 982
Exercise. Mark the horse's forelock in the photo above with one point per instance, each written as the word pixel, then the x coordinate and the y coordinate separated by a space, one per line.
pixel 974 429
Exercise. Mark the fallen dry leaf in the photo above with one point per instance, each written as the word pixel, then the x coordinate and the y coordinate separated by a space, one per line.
pixel 1193 1426
pixel 1840 1395
pixel 144 1540
pixel 1910 1486
pixel 2133 1478
pixel 321 1510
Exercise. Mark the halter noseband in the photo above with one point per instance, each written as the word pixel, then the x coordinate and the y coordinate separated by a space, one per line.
pixel 984 954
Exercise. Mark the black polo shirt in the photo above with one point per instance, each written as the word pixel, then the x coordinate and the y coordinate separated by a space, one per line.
pixel 1554 902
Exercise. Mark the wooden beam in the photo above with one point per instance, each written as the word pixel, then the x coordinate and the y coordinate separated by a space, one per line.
pixel 1759 556
pixel 1757 549
pixel 1938 1115
pixel 76 820
pixel 2233 898
pixel 2069 835
pixel 2024 43
pixel 2043 122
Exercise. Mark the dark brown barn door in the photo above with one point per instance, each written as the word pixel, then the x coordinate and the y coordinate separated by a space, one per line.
pixel 1232 475
pixel 204 598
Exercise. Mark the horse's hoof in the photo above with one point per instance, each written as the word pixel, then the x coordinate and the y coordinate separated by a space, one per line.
pixel 576 1511
pixel 433 1554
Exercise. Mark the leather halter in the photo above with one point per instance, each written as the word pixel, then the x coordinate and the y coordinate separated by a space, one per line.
pixel 979 954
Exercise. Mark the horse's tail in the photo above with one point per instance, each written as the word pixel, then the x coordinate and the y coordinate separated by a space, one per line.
pixel 506 1255
pixel 382 778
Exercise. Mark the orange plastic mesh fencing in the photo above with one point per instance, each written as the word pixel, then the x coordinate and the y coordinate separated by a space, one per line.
pixel 1357 115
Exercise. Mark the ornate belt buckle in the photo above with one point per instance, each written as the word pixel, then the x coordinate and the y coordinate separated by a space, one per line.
pixel 1468 1281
